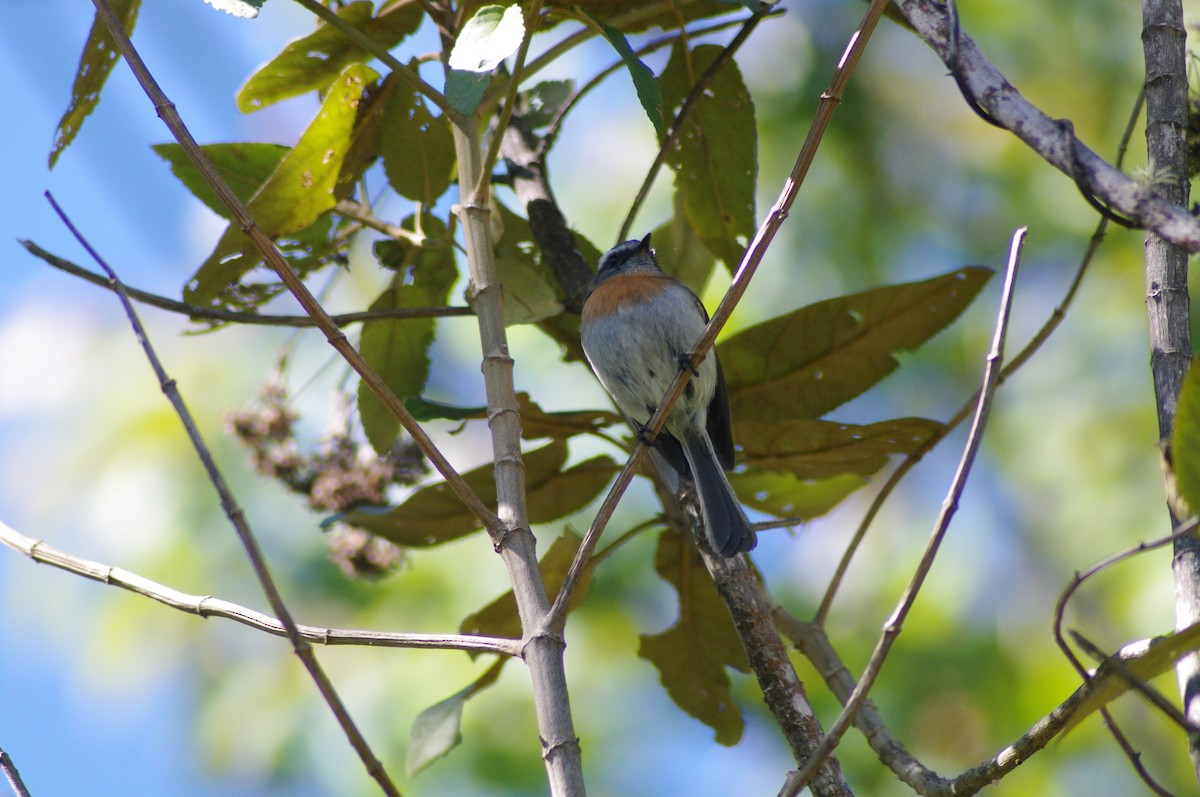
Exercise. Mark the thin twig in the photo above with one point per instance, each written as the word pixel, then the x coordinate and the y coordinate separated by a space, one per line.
pixel 207 606
pixel 198 312
pixel 237 518
pixel 741 281
pixel 9 768
pixel 241 216
pixel 895 623
pixel 1035 343
pixel 1156 698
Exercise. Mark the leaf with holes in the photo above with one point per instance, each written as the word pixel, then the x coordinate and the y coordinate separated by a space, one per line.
pixel 99 56
pixel 417 147
pixel 805 363
pixel 299 190
pixel 313 62
pixel 715 155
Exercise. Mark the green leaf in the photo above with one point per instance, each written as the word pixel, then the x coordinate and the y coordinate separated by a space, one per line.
pixel 811 449
pixel 99 56
pixel 244 167
pixel 715 156
pixel 1185 439
pixel 536 422
pixel 786 495
pixel 438 729
pixel 528 297
pixel 499 618
pixel 539 105
pixel 246 9
pixel 433 514
pixel 648 91
pixel 295 195
pixel 313 62
pixel 417 147
pixel 681 252
pixel 692 655
pixel 398 348
pixel 807 362
pixel 491 35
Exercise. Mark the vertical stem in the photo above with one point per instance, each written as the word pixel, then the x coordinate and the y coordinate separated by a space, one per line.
pixel 543 648
pixel 1163 42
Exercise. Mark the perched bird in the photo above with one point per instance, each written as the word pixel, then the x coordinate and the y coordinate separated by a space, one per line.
pixel 639 328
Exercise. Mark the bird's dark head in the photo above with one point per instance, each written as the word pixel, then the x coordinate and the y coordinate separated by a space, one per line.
pixel 628 257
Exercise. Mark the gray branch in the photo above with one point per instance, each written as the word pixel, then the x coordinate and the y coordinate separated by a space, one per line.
pixel 1053 140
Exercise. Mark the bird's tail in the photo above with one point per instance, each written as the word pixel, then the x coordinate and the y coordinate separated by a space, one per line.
pixel 725 523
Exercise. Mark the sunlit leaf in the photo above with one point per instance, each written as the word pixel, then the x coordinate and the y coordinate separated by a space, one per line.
pixel 491 35
pixel 434 515
pixel 99 56
pixel 812 449
pixel 1185 439
pixel 438 729
pixel 313 62
pixel 715 155
pixel 692 655
pixel 807 362
pixel 300 189
pixel 644 83
pixel 246 9
pixel 786 495
pixel 243 166
pixel 499 618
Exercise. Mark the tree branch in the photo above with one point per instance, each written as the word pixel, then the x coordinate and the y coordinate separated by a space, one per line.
pixel 196 311
pixel 1053 140
pixel 237 519
pixel 207 606
pixel 514 541
pixel 1167 304
pixel 12 776
pixel 895 623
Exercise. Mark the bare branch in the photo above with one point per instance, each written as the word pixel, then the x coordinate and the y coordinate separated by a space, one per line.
pixel 1035 343
pixel 895 623
pixel 195 311
pixel 1053 140
pixel 237 518
pixel 207 606
pixel 781 687
pixel 12 776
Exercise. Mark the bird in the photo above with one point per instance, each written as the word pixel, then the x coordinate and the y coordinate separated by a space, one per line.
pixel 639 328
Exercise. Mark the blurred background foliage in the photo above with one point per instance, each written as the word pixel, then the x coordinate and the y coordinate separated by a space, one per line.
pixel 908 184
